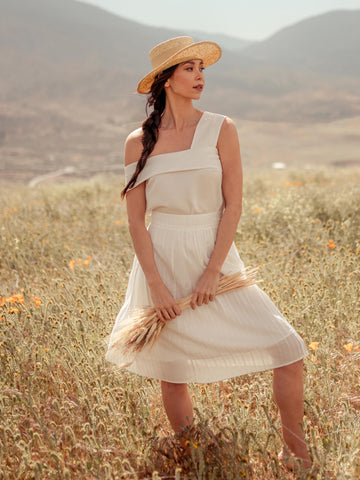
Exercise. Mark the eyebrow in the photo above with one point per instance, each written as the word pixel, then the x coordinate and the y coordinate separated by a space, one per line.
pixel 192 62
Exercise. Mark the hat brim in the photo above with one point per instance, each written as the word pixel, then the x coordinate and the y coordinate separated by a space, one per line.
pixel 208 52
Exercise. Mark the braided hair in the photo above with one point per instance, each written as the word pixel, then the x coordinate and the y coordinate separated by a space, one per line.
pixel 150 126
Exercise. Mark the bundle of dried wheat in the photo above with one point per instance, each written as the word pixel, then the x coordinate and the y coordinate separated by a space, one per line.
pixel 145 327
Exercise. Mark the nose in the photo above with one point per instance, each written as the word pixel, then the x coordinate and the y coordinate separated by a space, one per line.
pixel 199 72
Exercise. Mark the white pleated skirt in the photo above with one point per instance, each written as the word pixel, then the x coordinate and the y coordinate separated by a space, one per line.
pixel 238 333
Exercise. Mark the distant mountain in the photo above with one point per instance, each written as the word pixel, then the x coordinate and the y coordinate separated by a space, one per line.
pixel 69 72
pixel 328 43
pixel 50 45
pixel 67 48
pixel 227 42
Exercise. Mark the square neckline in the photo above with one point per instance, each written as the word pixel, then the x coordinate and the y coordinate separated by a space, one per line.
pixel 192 142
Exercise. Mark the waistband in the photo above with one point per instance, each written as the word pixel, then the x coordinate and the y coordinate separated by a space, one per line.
pixel 197 220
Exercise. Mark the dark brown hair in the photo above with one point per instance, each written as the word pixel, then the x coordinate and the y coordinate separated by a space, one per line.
pixel 150 126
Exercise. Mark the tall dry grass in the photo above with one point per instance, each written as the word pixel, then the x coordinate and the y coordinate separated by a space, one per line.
pixel 67 414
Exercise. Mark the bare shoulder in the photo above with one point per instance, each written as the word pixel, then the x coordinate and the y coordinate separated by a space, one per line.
pixel 228 136
pixel 228 130
pixel 133 146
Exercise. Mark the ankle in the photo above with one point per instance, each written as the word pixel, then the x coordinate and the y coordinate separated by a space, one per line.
pixel 296 453
pixel 293 462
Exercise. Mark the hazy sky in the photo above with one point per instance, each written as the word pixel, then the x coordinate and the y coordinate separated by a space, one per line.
pixel 253 20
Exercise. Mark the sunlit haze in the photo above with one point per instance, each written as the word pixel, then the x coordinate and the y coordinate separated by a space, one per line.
pixel 253 20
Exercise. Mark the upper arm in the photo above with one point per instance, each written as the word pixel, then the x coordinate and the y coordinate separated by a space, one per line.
pixel 229 152
pixel 133 147
pixel 135 198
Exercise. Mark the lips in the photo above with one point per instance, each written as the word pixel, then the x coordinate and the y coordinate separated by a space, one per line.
pixel 199 87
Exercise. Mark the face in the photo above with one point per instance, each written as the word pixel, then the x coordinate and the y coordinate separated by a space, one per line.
pixel 187 80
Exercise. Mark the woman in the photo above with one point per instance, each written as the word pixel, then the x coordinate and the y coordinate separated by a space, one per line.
pixel 183 166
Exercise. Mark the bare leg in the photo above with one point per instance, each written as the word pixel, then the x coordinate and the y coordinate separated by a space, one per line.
pixel 289 395
pixel 177 404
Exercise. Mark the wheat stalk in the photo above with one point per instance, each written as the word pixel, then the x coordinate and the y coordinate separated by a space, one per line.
pixel 145 326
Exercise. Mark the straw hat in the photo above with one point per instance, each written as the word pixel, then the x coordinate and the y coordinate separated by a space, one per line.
pixel 178 50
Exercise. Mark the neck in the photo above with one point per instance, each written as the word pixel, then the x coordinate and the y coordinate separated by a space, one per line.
pixel 179 114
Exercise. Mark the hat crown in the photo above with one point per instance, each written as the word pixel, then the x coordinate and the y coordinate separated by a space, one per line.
pixel 175 51
pixel 165 50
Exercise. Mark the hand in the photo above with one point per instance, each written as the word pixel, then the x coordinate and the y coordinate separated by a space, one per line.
pixel 166 306
pixel 205 289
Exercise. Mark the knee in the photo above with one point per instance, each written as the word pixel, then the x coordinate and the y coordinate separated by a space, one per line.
pixel 292 368
pixel 173 388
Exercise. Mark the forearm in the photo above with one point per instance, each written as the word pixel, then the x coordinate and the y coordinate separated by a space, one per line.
pixel 225 236
pixel 145 253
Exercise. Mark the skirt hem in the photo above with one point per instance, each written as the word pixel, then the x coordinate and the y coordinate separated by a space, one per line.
pixel 219 379
pixel 203 374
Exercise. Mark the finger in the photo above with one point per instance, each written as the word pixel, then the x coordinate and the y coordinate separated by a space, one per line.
pixel 193 301
pixel 200 299
pixel 165 314
pixel 160 316
pixel 177 309
pixel 206 299
pixel 171 312
pixel 211 297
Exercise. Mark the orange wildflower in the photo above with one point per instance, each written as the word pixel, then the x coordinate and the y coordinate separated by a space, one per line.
pixel 314 345
pixel 87 261
pixel 17 298
pixel 349 347
pixel 331 244
pixel 37 301
pixel 118 222
pixel 292 184
pixel 257 210
pixel 72 263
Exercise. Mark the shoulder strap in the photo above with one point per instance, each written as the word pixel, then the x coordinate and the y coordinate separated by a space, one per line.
pixel 208 129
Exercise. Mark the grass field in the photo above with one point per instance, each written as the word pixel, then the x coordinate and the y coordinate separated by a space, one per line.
pixel 67 414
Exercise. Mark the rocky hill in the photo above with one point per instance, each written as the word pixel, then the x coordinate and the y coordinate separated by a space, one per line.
pixel 70 70
pixel 328 44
